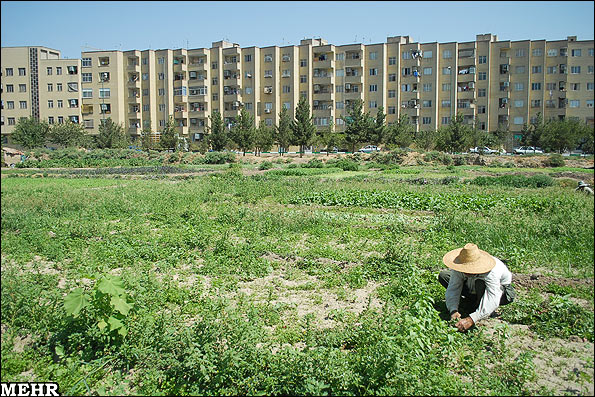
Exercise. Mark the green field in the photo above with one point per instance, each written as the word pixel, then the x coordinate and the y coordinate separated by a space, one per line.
pixel 309 281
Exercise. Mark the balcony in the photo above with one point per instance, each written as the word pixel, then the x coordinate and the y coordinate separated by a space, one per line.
pixel 323 95
pixel 134 81
pixel 134 110
pixel 323 79
pixel 133 68
pixel 324 61
pixel 353 59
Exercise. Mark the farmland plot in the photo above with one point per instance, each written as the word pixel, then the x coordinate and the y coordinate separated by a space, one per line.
pixel 317 281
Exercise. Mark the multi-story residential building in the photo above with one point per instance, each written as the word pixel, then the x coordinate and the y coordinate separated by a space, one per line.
pixel 494 84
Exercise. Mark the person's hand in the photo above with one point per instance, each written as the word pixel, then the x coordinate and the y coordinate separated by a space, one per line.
pixel 455 316
pixel 464 324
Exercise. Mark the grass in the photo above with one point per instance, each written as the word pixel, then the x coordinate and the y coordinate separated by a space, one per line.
pixel 292 281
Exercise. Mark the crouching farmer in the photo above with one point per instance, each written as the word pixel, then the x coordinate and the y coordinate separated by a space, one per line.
pixel 476 282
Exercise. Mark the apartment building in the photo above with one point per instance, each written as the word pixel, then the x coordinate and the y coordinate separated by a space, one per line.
pixel 494 84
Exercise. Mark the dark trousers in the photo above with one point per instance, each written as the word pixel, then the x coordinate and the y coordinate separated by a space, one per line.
pixel 470 302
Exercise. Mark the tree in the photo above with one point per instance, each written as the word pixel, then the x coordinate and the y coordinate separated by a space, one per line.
pixel 377 132
pixel 218 137
pixel 532 134
pixel 169 137
pixel 284 133
pixel 264 138
pixel 145 139
pixel 402 133
pixel 358 125
pixel 455 136
pixel 111 135
pixel 30 132
pixel 303 127
pixel 327 138
pixel 243 131
pixel 67 134
pixel 561 135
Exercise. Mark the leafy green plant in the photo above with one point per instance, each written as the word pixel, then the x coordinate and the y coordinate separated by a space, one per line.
pixel 265 165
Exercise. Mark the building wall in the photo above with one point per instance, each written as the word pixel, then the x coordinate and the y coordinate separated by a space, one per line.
pixel 494 84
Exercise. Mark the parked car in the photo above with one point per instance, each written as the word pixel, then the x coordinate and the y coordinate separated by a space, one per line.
pixel 528 150
pixel 483 150
pixel 369 149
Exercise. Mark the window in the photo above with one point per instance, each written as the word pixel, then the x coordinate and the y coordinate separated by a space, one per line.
pixel 446 54
pixel 23 104
pixel 481 92
pixel 214 65
pixel 60 120
pixel 87 93
pixel 248 90
pixel 392 77
pixel 340 72
pixel 590 69
pixel 519 86
pixel 304 94
pixel 145 92
pixel 483 59
pixel 445 103
pixel 72 69
pixel 373 55
pixel 426 103
pixel 446 71
pixel 73 103
pixel 58 70
pixel 446 87
pixel 339 88
pixel 552 70
pixel 575 69
pixel 481 109
pixel 73 87
pixel 162 107
pixel 49 71
pixel 406 55
pixel 373 104
pixel 392 110
pixel 160 61
pixel 482 76
pixel 536 69
pixel 520 52
pixel 373 87
pixel 406 87
pixel 60 103
pixel 50 120
pixel 575 86
pixel 576 52
pixel 86 62
pixel 248 58
pixel 518 120
pixel 10 105
pixel 145 76
pixel 591 51
pixel 535 86
pixel 105 92
pixel 575 103
pixel 552 52
pixel 22 87
pixel 563 52
pixel 445 120
pixel 161 76
pixel 427 87
pixel 340 56
pixel 10 87
pixel 519 103
pixel 428 54
pixel 286 73
pixel 87 77
pixel 537 52
pixel 23 73
pixel 268 73
pixel 215 81
pixel 286 89
pixel 427 71
pixel 11 121
pixel 303 63
pixel 340 105
pixel 426 120
pixel 590 86
pixel 373 72
pixel 268 58
pixel 392 60
pixel 59 87
pixel 9 71
pixel 536 103
pixel 392 93
pixel 550 86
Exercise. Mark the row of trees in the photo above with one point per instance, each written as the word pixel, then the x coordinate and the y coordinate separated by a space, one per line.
pixel 360 128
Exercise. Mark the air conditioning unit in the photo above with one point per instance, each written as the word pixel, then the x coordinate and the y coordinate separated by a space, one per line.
pixel 267 110
pixel 248 75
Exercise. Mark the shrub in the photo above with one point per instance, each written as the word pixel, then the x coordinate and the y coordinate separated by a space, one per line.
pixel 219 158
pixel 347 165
pixel 555 160
pixel 535 181
pixel 314 163
pixel 265 165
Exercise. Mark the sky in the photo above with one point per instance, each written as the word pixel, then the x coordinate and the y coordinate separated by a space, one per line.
pixel 72 27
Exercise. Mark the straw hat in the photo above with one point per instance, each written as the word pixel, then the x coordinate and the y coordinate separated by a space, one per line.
pixel 469 259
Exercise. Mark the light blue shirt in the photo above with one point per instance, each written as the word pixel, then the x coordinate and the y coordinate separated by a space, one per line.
pixel 494 279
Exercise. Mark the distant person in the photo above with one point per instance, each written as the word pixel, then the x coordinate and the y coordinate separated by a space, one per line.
pixel 476 282
pixel 584 187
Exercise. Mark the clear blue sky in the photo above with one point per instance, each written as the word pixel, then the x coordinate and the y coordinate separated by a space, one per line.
pixel 67 26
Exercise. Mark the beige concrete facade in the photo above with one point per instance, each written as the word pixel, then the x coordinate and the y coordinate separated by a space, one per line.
pixel 494 84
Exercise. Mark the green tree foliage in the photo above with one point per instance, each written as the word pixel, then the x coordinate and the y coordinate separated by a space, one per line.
pixel 358 125
pixel 377 132
pixel 30 133
pixel 243 132
pixel 264 138
pixel 169 137
pixel 402 132
pixel 218 137
pixel 303 127
pixel 67 135
pixel 561 135
pixel 532 134
pixel 327 138
pixel 111 135
pixel 455 136
pixel 284 132
pixel 145 139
